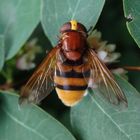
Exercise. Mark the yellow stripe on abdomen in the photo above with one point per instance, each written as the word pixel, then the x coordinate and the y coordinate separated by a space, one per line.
pixel 70 97
pixel 70 81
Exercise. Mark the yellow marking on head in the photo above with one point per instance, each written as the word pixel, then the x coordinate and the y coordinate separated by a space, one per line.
pixel 73 24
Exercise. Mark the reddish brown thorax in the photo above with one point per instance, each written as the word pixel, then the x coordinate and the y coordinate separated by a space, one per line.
pixel 73 40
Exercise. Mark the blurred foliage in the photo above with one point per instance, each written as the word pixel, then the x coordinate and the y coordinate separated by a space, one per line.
pixel 131 12
pixel 112 25
pixel 31 122
pixel 16 16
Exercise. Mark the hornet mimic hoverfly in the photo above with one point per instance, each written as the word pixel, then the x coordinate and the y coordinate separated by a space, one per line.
pixel 71 67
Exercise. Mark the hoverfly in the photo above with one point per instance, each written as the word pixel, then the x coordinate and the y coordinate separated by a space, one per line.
pixel 71 67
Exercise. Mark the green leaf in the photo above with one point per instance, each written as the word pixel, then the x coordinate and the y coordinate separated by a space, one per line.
pixel 132 13
pixel 18 18
pixel 28 123
pixel 1 52
pixel 56 12
pixel 96 119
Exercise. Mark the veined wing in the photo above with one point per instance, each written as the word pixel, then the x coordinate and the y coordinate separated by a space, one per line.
pixel 103 78
pixel 41 83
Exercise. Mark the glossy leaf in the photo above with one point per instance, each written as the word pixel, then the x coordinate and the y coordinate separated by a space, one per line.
pixel 132 14
pixel 28 123
pixel 56 12
pixel 96 119
pixel 1 52
pixel 18 18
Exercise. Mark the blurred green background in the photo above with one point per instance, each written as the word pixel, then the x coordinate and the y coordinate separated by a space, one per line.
pixel 112 25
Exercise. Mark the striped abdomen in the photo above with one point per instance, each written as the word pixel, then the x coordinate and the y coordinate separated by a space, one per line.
pixel 70 83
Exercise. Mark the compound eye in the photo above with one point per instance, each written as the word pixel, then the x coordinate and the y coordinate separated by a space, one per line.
pixel 83 33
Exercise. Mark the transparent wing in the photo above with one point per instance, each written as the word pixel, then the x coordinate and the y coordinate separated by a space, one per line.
pixel 102 78
pixel 41 82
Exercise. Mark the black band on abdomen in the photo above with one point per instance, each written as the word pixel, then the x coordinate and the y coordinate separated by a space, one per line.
pixel 73 74
pixel 68 87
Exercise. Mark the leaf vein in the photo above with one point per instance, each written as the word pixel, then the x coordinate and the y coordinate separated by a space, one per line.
pixel 24 125
pixel 74 13
pixel 110 117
